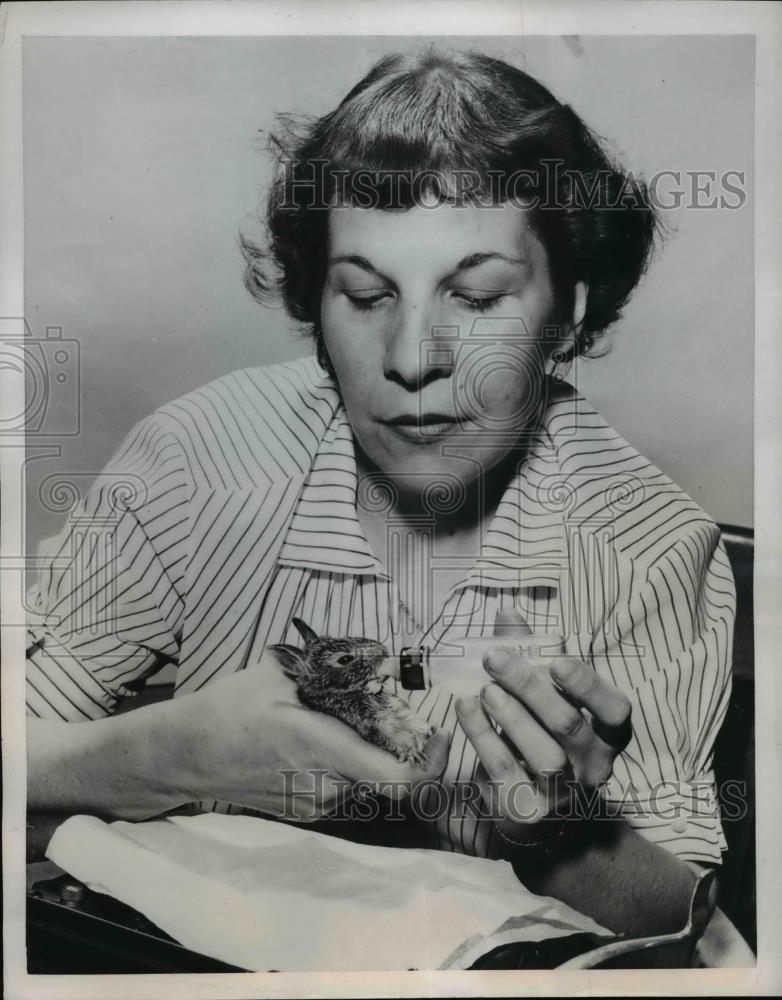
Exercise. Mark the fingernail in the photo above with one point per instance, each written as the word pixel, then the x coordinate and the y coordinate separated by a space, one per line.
pixel 467 705
pixel 499 662
pixel 564 670
pixel 494 695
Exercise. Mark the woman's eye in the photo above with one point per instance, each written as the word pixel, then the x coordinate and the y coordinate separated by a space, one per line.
pixel 366 302
pixel 480 303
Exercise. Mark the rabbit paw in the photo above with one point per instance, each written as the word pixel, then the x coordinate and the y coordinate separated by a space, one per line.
pixel 404 733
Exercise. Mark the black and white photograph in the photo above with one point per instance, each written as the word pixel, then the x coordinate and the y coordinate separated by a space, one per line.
pixel 387 424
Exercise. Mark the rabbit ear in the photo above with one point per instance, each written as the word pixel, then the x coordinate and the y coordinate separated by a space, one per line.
pixel 293 661
pixel 307 634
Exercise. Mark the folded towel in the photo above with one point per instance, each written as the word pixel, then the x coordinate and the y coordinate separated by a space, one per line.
pixel 263 895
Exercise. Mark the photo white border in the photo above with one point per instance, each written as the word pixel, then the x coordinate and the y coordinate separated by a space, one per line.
pixel 413 17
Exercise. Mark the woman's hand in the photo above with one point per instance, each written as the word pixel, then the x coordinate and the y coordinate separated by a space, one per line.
pixel 571 729
pixel 243 739
pixel 251 742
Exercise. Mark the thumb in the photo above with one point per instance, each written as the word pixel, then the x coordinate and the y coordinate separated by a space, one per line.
pixel 436 753
pixel 510 624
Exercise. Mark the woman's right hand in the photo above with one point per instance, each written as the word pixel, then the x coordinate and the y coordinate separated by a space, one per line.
pixel 234 741
pixel 246 739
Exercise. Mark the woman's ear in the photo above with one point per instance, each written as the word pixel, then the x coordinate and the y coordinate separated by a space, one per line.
pixel 580 293
pixel 563 355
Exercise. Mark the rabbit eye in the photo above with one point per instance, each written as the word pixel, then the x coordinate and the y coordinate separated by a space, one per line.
pixel 344 660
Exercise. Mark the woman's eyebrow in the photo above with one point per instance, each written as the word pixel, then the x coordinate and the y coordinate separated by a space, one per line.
pixel 465 264
pixel 352 258
pixel 475 259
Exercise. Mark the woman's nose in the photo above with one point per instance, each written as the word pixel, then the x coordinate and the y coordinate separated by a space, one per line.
pixel 411 358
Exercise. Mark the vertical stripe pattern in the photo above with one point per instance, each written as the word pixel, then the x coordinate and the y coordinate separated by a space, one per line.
pixel 233 509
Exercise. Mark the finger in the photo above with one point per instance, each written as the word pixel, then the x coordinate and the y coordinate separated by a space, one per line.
pixel 359 760
pixel 610 707
pixel 495 755
pixel 306 795
pixel 519 801
pixel 436 751
pixel 528 682
pixel 510 624
pixel 543 756
pixel 324 796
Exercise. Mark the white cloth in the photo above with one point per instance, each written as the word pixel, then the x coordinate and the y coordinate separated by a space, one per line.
pixel 263 895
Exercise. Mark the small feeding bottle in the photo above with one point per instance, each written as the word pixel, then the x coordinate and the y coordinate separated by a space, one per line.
pixel 458 666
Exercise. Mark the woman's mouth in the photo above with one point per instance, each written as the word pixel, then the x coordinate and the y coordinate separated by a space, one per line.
pixel 423 428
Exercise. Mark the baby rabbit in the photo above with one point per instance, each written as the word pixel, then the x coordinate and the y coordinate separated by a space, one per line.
pixel 338 677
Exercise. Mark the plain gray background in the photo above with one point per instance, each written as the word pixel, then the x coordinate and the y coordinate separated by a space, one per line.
pixel 143 160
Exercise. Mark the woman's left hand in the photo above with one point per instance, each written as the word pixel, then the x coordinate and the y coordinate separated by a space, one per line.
pixel 547 740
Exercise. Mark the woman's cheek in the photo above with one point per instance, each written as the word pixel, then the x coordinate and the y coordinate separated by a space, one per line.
pixel 498 394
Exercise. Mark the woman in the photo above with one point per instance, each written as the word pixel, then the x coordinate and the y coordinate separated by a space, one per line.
pixel 454 237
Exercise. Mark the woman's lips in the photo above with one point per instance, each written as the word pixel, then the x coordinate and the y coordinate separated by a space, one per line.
pixel 423 430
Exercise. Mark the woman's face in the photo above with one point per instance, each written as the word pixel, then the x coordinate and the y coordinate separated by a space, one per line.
pixel 439 326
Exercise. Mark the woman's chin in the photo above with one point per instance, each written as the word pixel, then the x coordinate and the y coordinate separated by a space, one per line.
pixel 426 473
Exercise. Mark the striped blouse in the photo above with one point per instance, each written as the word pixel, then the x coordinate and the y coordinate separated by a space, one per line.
pixel 232 509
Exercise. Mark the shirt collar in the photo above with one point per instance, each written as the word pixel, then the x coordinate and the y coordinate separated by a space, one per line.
pixel 524 545
pixel 325 532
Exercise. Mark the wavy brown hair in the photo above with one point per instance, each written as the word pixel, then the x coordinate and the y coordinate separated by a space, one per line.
pixel 457 126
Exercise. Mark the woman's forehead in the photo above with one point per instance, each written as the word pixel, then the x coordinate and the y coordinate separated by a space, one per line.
pixel 441 235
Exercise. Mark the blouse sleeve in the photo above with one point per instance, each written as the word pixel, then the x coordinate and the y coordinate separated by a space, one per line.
pixel 680 627
pixel 107 607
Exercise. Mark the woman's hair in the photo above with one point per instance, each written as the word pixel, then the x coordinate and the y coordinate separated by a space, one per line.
pixel 469 129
